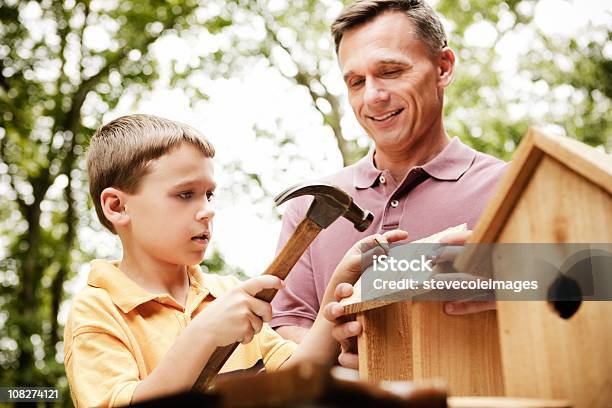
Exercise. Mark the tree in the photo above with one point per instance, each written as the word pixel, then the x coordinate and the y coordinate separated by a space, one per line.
pixel 294 38
pixel 482 100
pixel 62 64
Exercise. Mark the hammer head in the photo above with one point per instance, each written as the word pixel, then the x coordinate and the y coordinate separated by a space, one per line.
pixel 329 204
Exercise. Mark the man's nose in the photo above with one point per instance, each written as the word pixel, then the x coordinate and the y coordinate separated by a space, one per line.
pixel 375 93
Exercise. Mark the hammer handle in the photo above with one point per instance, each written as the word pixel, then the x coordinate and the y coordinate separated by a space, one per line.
pixel 303 235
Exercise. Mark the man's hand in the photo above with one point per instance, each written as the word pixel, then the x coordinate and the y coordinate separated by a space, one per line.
pixel 461 307
pixel 238 315
pixel 344 332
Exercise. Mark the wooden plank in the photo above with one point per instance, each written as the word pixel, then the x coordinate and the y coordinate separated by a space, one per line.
pixel 418 341
pixel 355 304
pixel 385 347
pixel 543 355
pixel 590 163
pixel 313 385
pixel 558 205
pixel 509 189
pixel 463 350
pixel 504 402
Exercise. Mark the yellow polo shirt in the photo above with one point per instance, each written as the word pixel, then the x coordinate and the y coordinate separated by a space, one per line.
pixel 117 333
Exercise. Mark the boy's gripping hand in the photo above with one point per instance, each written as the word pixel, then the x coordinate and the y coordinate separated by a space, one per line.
pixel 347 273
pixel 238 315
pixel 361 254
pixel 344 332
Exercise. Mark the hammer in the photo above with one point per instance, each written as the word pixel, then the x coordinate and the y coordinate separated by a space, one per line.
pixel 328 205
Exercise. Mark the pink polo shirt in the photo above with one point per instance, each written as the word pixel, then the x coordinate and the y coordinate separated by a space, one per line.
pixel 451 189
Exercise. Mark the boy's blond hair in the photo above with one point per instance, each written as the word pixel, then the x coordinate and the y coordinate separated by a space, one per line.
pixel 120 151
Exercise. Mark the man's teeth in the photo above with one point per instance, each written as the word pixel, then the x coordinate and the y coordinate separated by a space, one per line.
pixel 387 116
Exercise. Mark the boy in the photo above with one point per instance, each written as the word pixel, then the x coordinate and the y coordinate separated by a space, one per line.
pixel 145 326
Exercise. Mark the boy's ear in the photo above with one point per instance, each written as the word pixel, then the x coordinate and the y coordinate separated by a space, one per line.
pixel 446 67
pixel 113 205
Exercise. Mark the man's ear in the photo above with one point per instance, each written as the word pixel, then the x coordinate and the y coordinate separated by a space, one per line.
pixel 446 67
pixel 113 205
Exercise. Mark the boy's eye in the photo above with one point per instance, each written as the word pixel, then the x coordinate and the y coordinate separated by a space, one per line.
pixel 186 195
pixel 210 195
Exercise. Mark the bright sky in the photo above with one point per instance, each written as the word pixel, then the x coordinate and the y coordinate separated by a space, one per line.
pixel 246 233
pixel 248 240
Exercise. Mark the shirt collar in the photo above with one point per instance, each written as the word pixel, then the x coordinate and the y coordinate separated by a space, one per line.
pixel 366 173
pixel 127 294
pixel 450 164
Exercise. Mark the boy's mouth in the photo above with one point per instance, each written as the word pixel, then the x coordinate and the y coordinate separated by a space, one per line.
pixel 202 238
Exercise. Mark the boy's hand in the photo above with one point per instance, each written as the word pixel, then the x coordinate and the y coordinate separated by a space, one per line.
pixel 237 316
pixel 344 332
pixel 350 267
pixel 346 274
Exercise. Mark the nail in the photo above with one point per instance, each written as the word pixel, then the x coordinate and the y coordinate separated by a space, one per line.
pixel 383 246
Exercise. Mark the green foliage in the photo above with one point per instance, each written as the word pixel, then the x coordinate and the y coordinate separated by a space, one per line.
pixel 215 263
pixel 293 37
pixel 63 64
pixel 480 112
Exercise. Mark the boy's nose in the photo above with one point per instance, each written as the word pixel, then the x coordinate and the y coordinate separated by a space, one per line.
pixel 206 212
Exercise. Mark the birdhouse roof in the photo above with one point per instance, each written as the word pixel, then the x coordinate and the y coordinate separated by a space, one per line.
pixel 588 162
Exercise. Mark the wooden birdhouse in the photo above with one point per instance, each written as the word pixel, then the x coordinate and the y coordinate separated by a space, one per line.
pixel 557 190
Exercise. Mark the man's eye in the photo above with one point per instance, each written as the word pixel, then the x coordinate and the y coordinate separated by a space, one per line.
pixel 390 73
pixel 186 195
pixel 210 195
pixel 356 83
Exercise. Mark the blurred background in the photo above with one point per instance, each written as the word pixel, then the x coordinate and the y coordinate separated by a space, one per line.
pixel 260 79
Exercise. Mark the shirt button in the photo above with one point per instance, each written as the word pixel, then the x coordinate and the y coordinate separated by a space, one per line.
pixel 394 203
pixel 382 179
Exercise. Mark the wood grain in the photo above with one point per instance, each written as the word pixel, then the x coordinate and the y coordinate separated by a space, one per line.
pixel 355 304
pixel 543 355
pixel 505 402
pixel 589 163
pixel 418 341
pixel 385 345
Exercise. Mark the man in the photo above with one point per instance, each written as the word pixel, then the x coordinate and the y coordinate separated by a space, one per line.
pixel 395 61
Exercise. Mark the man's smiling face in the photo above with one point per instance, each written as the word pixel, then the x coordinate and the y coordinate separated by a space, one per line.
pixel 393 81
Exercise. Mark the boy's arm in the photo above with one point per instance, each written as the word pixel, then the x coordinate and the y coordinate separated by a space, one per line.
pixel 178 369
pixel 103 371
pixel 235 317
pixel 318 344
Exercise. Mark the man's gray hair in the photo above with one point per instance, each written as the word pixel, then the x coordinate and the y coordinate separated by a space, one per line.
pixel 426 21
